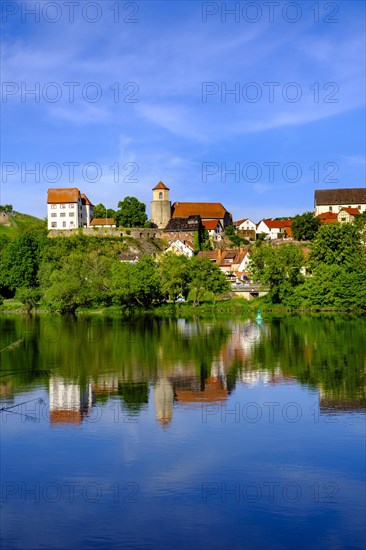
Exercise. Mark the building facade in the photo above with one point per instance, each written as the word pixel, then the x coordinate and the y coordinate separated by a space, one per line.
pixel 160 206
pixel 334 200
pixel 68 209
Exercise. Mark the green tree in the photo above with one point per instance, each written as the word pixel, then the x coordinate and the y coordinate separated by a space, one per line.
pixel 21 260
pixel 232 234
pixel 206 277
pixel 305 226
pixel 336 244
pixel 131 213
pixel 278 268
pixel 174 275
pixel 30 297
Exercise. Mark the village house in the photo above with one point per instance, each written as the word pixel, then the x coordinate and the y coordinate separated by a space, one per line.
pixel 180 249
pixel 67 208
pixel 234 263
pixel 246 228
pixel 347 215
pixel 103 222
pixel 215 230
pixel 334 200
pixel 275 229
pixel 183 229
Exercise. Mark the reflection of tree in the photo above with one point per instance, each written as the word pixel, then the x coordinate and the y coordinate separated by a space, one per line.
pixel 135 395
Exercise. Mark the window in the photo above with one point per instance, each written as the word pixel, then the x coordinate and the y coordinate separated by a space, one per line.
pixel 54 224
pixel 63 224
pixel 160 195
pixel 71 223
pixel 53 206
pixel 63 214
pixel 71 214
pixel 331 209
pixel 343 219
pixel 340 208
pixel 71 205
pixel 359 207
pixel 53 215
pixel 62 205
pixel 349 206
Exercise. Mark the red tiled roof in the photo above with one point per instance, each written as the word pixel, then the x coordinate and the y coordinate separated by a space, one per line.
pixel 61 195
pixel 210 224
pixel 102 221
pixel 273 224
pixel 327 217
pixel 352 211
pixel 207 210
pixel 85 200
pixel 239 222
pixel 161 185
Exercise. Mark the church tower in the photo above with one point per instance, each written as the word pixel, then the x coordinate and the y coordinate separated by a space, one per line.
pixel 161 210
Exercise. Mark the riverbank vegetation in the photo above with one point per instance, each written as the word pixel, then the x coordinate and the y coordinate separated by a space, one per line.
pixel 86 273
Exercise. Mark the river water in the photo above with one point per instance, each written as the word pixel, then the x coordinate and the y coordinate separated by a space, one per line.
pixel 182 433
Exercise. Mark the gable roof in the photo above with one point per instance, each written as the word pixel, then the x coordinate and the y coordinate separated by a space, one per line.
pixel 102 221
pixel 207 210
pixel 210 225
pixel 276 224
pixel 239 222
pixel 352 211
pixel 85 200
pixel 62 194
pixel 355 195
pixel 190 223
pixel 161 185
pixel 327 217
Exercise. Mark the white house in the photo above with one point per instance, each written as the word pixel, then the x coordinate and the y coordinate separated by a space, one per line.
pixel 246 228
pixel 215 229
pixel 274 229
pixel 334 200
pixel 65 209
pixel 103 222
pixel 180 249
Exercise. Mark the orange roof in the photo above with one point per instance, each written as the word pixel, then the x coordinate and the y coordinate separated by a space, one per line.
pixel 85 200
pixel 210 224
pixel 102 221
pixel 288 232
pixel 327 217
pixel 60 195
pixel 273 223
pixel 209 210
pixel 239 222
pixel 161 185
pixel 352 211
pixel 212 393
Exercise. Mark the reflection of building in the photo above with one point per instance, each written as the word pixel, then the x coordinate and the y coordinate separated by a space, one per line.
pixel 330 403
pixel 163 397
pixel 69 403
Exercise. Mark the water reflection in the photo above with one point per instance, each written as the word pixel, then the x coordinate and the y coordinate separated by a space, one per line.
pixel 186 363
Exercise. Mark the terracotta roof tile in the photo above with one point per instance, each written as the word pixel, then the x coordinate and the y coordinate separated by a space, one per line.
pixel 102 221
pixel 207 210
pixel 61 195
pixel 239 222
pixel 161 185
pixel 352 211
pixel 210 225
pixel 85 200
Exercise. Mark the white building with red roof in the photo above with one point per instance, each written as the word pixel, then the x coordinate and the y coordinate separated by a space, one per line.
pixel 67 208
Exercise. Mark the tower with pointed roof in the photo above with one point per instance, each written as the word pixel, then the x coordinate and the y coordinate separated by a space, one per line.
pixel 161 209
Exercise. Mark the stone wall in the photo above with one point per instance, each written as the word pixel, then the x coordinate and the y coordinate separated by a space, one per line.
pixel 136 233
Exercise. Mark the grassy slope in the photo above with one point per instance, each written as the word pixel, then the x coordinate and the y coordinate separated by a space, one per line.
pixel 21 223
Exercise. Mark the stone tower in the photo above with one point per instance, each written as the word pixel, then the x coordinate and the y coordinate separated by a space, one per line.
pixel 161 210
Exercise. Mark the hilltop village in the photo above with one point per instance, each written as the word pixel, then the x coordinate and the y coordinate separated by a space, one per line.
pixel 182 226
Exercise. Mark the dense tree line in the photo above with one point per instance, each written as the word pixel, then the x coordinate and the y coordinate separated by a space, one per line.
pixel 63 274
pixel 330 273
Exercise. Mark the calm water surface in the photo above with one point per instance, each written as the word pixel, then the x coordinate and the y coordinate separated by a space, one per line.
pixel 184 434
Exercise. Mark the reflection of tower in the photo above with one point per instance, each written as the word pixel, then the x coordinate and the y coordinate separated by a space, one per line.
pixel 161 209
pixel 163 397
pixel 68 402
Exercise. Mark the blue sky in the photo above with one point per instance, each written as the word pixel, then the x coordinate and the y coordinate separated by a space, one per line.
pixel 151 85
